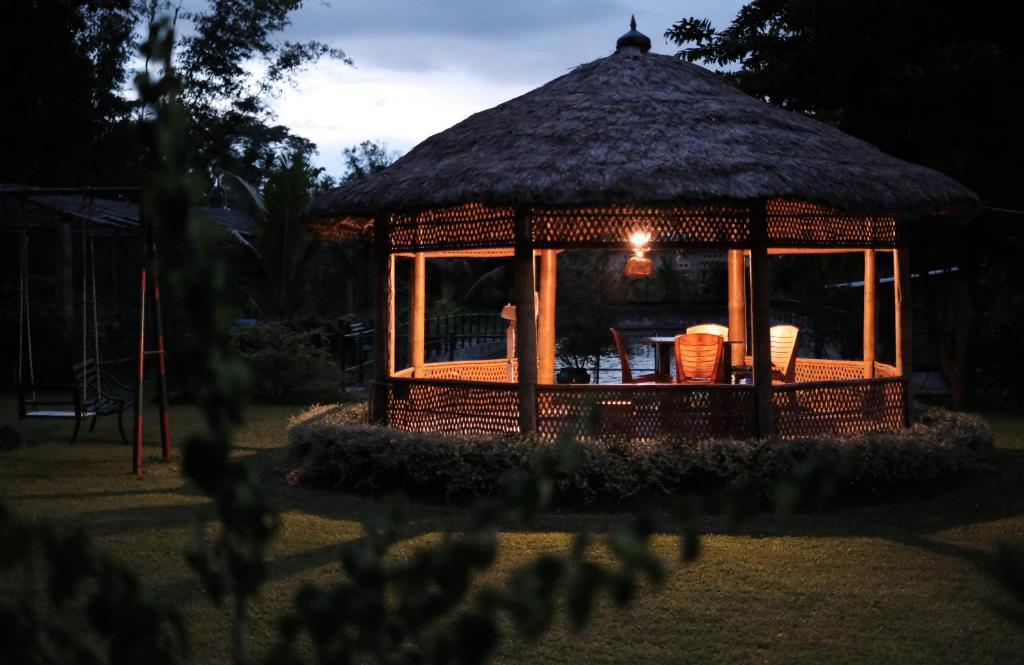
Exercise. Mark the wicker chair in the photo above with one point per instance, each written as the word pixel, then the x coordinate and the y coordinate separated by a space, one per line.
pixel 783 344
pixel 627 375
pixel 699 358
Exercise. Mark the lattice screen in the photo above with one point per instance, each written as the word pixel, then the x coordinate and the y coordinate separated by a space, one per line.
pixel 802 224
pixel 639 412
pixel 457 227
pixel 475 225
pixel 449 407
pixel 721 226
pixel 841 407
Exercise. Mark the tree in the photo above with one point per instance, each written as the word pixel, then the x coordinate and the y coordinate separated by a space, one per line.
pixel 282 249
pixel 229 104
pixel 931 84
pixel 62 121
pixel 366 159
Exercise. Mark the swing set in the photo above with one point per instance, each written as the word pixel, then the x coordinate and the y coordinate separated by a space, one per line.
pixel 90 392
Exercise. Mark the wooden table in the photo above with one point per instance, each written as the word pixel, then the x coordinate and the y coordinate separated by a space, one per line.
pixel 663 353
pixel 665 348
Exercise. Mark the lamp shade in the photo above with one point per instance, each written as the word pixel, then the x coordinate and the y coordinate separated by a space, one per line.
pixel 639 266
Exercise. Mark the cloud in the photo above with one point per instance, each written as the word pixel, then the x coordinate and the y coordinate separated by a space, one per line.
pixel 423 65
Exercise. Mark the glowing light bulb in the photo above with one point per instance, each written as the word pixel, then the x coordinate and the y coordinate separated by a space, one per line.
pixel 640 238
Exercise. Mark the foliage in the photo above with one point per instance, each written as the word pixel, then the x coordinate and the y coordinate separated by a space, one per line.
pixel 289 364
pixel 930 85
pixel 227 101
pixel 63 120
pixel 336 452
pixel 365 159
pixel 282 250
pixel 75 605
pixel 231 562
pixel 587 284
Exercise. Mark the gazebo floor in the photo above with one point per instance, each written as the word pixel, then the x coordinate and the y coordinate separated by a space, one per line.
pixel 829 397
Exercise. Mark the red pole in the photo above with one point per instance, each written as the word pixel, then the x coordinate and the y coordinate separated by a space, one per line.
pixel 137 433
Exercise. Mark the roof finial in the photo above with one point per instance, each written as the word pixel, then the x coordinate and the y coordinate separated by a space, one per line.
pixel 634 38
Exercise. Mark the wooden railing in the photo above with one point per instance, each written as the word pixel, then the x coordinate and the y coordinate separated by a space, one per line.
pixel 476 397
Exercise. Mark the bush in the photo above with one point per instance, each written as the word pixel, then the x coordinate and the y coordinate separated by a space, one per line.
pixel 337 449
pixel 289 363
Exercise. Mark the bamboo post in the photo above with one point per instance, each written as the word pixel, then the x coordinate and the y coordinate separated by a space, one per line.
pixel 870 311
pixel 417 312
pixel 383 276
pixel 904 329
pixel 737 307
pixel 901 282
pixel 526 323
pixel 760 272
pixel 546 319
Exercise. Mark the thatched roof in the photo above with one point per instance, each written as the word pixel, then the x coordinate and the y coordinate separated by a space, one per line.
pixel 645 128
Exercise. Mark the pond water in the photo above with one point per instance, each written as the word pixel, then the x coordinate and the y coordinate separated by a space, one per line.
pixel 609 369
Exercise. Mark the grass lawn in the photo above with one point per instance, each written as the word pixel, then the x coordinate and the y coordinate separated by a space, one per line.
pixel 898 582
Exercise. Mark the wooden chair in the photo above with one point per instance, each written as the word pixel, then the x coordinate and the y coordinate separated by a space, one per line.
pixel 699 358
pixel 627 375
pixel 721 331
pixel 783 345
pixel 104 396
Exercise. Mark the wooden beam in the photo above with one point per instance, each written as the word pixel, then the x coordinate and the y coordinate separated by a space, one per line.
pixel 383 281
pixel 870 311
pixel 526 323
pixel 546 318
pixel 904 330
pixel 392 328
pixel 417 310
pixel 775 251
pixel 737 306
pixel 760 270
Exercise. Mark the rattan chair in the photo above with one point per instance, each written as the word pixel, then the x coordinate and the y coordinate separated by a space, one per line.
pixel 627 374
pixel 783 343
pixel 699 358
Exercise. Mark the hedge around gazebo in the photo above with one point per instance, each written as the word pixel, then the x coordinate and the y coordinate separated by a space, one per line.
pixel 637 141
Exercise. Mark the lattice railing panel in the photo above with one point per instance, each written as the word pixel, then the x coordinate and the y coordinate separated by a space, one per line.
pixel 706 225
pixel 839 407
pixel 883 370
pixel 474 225
pixel 639 412
pixel 803 224
pixel 471 370
pixel 820 369
pixel 457 227
pixel 449 407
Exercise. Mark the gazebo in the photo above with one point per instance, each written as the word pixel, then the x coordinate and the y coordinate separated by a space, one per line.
pixel 639 142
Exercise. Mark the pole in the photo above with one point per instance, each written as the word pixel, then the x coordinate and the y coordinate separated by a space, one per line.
pixel 737 307
pixel 546 320
pixel 382 318
pixel 417 312
pixel 870 310
pixel 904 327
pixel 526 323
pixel 760 271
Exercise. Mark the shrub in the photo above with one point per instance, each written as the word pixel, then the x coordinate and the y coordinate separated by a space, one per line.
pixel 289 364
pixel 337 449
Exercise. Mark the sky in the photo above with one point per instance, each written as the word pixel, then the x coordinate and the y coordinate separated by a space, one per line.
pixel 420 66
